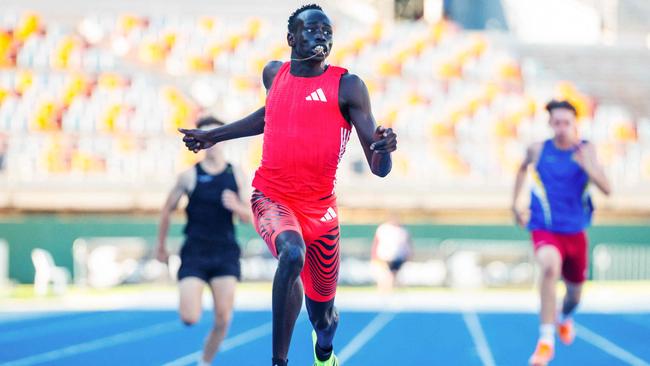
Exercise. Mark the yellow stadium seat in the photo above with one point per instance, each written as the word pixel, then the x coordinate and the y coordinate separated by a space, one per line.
pixel 198 63
pixel 24 81
pixel 207 23
pixel 530 108
pixel 215 50
pixel 128 22
pixel 54 155
pixel 510 71
pixel 442 129
pixel 45 117
pixel 76 85
pixel 473 105
pixel 64 51
pixel 169 40
pixel 491 91
pixel 280 51
pixel 414 98
pixel 257 65
pixel 243 83
pixel 183 111
pixel 376 32
pixel 419 46
pixel 253 27
pixel 234 41
pixel 151 52
pixel 625 132
pixel 388 68
pixel 450 70
pixel 110 80
pixel 125 143
pixel 109 120
pixel 388 120
pixel 358 44
pixel 479 46
pixel 6 48
pixel 29 24
pixel 505 127
pixel 3 94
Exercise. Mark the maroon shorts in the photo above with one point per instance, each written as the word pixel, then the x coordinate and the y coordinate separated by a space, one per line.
pixel 572 247
pixel 318 224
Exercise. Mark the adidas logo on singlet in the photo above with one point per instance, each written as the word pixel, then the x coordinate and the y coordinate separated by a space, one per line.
pixel 317 96
pixel 329 215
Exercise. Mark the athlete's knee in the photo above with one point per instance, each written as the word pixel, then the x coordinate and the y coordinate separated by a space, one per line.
pixel 292 259
pixel 550 262
pixel 222 320
pixel 551 270
pixel 190 318
pixel 292 253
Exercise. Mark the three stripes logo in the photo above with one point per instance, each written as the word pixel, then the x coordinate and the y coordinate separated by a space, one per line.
pixel 317 96
pixel 329 215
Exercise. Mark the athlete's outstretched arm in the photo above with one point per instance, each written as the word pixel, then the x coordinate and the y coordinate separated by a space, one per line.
pixel 519 182
pixel 586 157
pixel 250 125
pixel 173 197
pixel 377 142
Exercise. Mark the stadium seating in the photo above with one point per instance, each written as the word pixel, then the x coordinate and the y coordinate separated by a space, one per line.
pixel 104 99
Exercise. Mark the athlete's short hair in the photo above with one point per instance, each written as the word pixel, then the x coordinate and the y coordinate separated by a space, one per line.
pixel 560 104
pixel 292 23
pixel 207 121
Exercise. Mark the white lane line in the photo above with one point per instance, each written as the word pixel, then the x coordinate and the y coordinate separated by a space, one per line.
pixel 476 331
pixel 609 347
pixel 62 324
pixel 96 344
pixel 228 344
pixel 364 336
pixel 11 317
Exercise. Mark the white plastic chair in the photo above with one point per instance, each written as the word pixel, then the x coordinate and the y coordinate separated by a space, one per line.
pixel 47 271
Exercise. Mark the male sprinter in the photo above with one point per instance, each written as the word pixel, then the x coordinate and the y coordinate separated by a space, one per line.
pixel 310 109
pixel 210 254
pixel 560 210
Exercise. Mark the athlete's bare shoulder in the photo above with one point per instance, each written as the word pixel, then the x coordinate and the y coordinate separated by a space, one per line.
pixel 351 81
pixel 352 89
pixel 187 179
pixel 536 146
pixel 268 74
pixel 533 151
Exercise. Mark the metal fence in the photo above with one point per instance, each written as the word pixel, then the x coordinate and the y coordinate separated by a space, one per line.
pixel 621 262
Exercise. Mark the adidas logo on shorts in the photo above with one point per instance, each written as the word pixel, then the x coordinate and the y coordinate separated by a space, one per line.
pixel 329 215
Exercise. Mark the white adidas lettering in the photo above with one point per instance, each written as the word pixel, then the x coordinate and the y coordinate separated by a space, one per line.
pixel 345 137
pixel 317 96
pixel 329 215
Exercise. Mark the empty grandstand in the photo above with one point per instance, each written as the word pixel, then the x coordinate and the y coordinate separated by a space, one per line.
pixel 90 99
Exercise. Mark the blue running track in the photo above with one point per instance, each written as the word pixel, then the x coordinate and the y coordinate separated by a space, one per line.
pixel 151 337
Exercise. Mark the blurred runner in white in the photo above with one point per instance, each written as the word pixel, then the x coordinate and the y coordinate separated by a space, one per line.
pixel 390 249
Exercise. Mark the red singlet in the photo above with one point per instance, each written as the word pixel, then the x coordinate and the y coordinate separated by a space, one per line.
pixel 305 136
